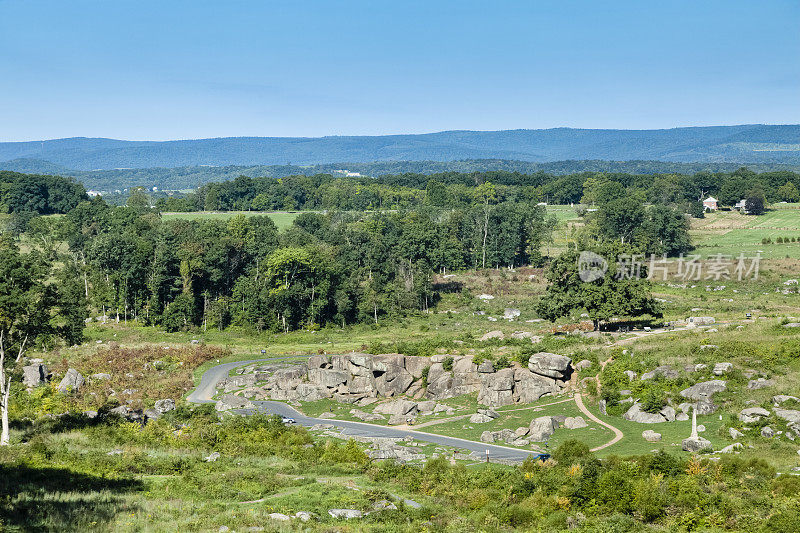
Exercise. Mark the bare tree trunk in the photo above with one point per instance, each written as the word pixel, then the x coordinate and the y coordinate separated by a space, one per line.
pixel 5 390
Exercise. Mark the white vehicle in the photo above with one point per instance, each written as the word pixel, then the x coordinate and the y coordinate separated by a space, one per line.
pixel 287 420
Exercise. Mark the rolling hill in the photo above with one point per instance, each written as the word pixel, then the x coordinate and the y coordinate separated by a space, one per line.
pixel 765 144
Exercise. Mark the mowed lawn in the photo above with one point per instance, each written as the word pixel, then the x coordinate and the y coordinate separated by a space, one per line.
pixel 731 233
pixel 282 219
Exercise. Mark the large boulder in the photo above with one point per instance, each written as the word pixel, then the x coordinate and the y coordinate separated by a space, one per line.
pixel 665 371
pixel 651 436
pixel 790 415
pixel 550 365
pixel 73 380
pixel 366 417
pixel 496 389
pixel 231 401
pixel 760 383
pixel 695 444
pixel 778 399
pixel 722 368
pixel 637 414
pixel 327 377
pixel 529 387
pixel 165 405
pixel 397 407
pixel 542 428
pixel 35 375
pixel 496 334
pixel 575 422
pixel 753 414
pixel 480 418
pixel 317 361
pixel 704 390
pixel 415 365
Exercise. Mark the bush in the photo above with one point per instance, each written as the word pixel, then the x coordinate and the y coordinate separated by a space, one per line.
pixel 570 451
pixel 653 400
pixel 447 363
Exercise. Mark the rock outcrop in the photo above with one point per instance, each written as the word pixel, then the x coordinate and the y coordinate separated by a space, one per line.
pixel 35 375
pixel 637 414
pixel 73 380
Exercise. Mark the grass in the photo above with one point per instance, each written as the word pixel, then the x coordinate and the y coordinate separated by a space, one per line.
pixel 732 233
pixel 282 219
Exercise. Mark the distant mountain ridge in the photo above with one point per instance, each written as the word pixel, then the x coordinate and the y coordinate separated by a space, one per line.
pixel 764 144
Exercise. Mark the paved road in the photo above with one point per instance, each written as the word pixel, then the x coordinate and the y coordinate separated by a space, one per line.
pixel 207 388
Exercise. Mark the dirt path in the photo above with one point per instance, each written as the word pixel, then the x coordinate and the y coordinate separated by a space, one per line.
pixel 618 434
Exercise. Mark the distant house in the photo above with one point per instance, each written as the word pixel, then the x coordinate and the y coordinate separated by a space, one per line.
pixel 740 206
pixel 710 204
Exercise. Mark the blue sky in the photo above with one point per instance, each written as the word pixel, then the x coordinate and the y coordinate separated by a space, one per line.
pixel 191 69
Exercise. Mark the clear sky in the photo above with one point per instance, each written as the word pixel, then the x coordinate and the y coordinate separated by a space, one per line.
pixel 172 69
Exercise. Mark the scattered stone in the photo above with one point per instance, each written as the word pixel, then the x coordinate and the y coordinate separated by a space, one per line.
pixel 487 436
pixel 790 415
pixel 485 297
pixel 91 415
pixel 792 325
pixel 366 417
pixel 230 401
pixel 722 368
pixel 164 406
pixel 695 444
pixel 384 505
pixel 651 436
pixel 576 422
pixel 521 431
pixel 100 377
pixel 731 448
pixel 631 375
pixel 699 367
pixel 397 407
pixel 760 383
pixel 35 375
pixel 767 432
pixel 486 367
pixel 709 347
pixel 212 457
pixel 345 513
pixel 396 420
pixel 115 451
pixel 328 415
pixel 303 516
pixel 496 334
pixel 752 414
pixel 72 382
pixel 665 371
pixel 780 398
pixel 637 414
pixel 511 314
pixel 279 516
pixel 583 364
pixel 704 390
pixel 735 433
pixel 701 428
pixel 479 418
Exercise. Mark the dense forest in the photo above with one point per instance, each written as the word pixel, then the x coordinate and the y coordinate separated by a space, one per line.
pixel 367 248
pixel 397 191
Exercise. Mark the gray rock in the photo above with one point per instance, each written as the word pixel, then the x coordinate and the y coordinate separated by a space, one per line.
pixel 521 431
pixel 151 414
pixel 212 458
pixel 767 432
pixel 752 414
pixel 91 415
pixel 695 444
pixel 665 371
pixel 100 377
pixel 651 436
pixel 366 417
pixel 722 368
pixel 576 422
pixel 631 375
pixel 397 407
pixel 280 517
pixel 486 367
pixel 164 406
pixel 511 314
pixel 790 415
pixel 72 382
pixel 704 390
pixel 487 436
pixel 397 419
pixel 345 514
pixel 303 516
pixel 731 448
pixel 781 398
pixel 479 418
pixel 35 375
pixel 496 334
pixel 681 417
pixel 550 365
pixel 792 325
pixel 735 433
pixel 491 413
pixel 542 428
pixel 636 414
pixel 583 364
pixel 230 401
pixel 760 383
pixel 700 367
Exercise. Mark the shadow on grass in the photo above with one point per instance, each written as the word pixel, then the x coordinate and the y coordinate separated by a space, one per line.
pixel 55 499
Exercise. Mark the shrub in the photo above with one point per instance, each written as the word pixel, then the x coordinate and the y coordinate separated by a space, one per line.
pixel 570 451
pixel 425 376
pixel 447 363
pixel 653 400
pixel 779 240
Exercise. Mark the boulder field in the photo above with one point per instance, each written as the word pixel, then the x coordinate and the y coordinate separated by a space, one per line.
pixel 360 378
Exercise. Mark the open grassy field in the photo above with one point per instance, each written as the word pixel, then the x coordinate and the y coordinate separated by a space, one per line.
pixel 282 219
pixel 731 233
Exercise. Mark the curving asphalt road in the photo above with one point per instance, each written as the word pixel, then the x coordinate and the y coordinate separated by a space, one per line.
pixel 205 391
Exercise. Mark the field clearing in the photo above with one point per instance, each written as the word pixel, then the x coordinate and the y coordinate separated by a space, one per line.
pixel 282 219
pixel 731 233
